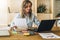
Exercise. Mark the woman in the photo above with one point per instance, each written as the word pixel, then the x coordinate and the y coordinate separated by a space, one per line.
pixel 27 13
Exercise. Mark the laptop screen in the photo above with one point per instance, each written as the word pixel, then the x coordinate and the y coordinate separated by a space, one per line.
pixel 46 25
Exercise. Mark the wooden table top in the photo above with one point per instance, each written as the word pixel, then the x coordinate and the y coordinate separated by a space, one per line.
pixel 32 37
pixel 22 37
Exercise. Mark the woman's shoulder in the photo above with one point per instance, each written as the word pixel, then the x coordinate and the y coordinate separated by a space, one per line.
pixel 18 15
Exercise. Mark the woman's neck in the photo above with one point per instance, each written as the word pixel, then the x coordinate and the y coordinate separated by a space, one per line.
pixel 27 14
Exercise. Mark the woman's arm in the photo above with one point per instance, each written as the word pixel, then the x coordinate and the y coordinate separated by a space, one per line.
pixel 36 21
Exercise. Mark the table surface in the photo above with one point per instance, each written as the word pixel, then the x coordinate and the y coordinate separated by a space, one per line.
pixel 32 37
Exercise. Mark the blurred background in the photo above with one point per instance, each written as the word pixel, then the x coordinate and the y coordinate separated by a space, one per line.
pixel 43 9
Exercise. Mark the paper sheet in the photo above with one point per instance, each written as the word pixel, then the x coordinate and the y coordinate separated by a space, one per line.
pixel 49 35
pixel 21 23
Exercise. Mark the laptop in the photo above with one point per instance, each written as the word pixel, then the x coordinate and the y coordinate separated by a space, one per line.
pixel 46 26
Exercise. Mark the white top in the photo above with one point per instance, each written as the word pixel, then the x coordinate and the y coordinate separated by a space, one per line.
pixel 28 21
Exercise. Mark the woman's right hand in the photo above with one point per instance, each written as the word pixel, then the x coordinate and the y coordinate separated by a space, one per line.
pixel 15 27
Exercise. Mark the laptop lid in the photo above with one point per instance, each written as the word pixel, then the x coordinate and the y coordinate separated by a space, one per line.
pixel 46 25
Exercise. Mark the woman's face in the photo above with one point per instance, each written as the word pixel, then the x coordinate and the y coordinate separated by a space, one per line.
pixel 28 7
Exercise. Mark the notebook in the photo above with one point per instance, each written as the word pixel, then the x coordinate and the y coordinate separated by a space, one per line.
pixel 49 36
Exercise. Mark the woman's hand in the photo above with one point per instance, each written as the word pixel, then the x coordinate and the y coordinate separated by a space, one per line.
pixel 14 28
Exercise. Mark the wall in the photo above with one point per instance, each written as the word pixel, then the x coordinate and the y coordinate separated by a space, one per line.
pixel 3 12
pixel 44 16
pixel 16 5
pixel 56 8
